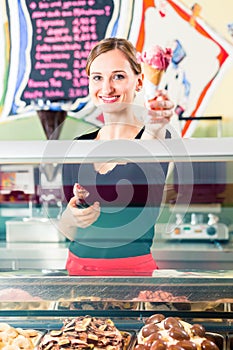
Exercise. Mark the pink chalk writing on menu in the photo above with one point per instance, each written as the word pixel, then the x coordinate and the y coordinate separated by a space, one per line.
pixel 64 33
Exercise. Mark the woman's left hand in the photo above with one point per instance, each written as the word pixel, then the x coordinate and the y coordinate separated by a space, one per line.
pixel 160 109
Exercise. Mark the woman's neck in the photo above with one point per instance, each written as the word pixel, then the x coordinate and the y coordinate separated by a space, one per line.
pixel 119 130
pixel 115 129
pixel 120 125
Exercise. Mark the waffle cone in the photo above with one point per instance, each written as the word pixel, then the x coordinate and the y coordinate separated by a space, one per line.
pixel 154 75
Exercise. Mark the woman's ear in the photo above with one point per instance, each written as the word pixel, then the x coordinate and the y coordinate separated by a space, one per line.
pixel 140 83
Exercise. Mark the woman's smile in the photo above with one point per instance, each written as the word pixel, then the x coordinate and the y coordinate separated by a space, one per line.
pixel 109 99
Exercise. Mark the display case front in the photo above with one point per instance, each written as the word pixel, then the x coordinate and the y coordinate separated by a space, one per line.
pixel 194 226
pixel 45 303
pixel 192 243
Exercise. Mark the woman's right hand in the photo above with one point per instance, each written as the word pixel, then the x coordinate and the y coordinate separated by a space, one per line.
pixel 84 217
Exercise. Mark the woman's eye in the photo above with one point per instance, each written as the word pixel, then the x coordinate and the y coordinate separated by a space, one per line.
pixel 118 77
pixel 96 77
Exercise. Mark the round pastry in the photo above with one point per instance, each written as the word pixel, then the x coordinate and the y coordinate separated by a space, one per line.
pixel 84 332
pixel 172 333
pixel 17 338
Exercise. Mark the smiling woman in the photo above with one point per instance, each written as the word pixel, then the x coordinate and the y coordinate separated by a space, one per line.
pixel 112 86
pixel 114 233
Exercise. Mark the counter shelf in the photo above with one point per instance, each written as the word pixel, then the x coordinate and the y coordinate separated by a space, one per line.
pixel 55 297
pixel 68 151
pixel 53 288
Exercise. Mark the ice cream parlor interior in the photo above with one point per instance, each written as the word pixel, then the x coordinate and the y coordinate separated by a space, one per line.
pixel 48 103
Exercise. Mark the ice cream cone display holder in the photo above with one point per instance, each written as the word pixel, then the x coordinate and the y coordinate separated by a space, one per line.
pixel 52 115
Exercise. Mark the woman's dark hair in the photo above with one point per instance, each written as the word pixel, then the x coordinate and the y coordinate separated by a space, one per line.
pixel 108 44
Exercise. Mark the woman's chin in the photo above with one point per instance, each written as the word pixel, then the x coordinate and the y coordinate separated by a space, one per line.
pixel 113 107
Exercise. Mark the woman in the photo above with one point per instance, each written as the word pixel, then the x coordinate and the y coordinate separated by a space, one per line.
pixel 113 236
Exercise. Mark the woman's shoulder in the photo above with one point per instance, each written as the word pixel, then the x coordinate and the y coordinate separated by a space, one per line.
pixel 89 136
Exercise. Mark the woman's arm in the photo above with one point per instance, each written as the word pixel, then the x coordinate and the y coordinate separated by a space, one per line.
pixel 67 224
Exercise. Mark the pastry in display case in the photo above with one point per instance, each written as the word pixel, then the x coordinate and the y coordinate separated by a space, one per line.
pixel 102 300
pixel 86 332
pixel 160 332
pixel 12 338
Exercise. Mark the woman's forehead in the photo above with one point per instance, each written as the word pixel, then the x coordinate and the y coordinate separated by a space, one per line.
pixel 110 60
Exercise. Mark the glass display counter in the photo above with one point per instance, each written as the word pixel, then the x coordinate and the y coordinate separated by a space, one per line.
pixel 44 302
pixel 195 223
pixel 192 226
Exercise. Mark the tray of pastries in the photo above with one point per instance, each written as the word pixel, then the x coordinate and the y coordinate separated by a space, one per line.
pixel 95 333
pixel 173 333
pixel 87 332
pixel 15 338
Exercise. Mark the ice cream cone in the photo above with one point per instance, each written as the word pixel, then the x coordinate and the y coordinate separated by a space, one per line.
pixel 153 74
pixel 155 61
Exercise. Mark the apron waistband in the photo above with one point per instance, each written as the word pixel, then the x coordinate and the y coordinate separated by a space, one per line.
pixel 143 265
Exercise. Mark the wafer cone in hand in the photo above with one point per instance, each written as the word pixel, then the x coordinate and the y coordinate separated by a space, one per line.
pixel 154 75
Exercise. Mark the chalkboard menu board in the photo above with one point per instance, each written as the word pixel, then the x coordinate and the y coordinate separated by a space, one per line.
pixel 63 32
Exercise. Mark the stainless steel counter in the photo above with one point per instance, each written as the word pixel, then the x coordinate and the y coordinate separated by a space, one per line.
pixel 193 255
pixel 168 255
pixel 33 255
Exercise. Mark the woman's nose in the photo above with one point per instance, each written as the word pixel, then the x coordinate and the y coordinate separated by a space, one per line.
pixel 107 86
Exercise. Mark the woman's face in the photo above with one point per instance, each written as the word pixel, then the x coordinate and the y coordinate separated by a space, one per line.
pixel 112 82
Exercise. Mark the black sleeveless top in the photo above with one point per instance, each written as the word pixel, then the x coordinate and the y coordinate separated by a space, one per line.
pixel 130 196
